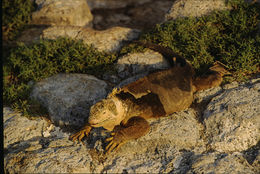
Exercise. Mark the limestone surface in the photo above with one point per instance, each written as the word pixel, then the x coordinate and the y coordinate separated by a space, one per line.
pixel 220 163
pixel 18 128
pixel 109 40
pixel 68 97
pixel 62 12
pixel 178 143
pixel 194 8
pixel 232 119
pixel 37 146
pixel 50 150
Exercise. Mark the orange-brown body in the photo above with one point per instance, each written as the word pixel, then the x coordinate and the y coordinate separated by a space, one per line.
pixel 158 94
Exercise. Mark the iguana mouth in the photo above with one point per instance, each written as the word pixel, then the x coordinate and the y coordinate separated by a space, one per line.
pixel 100 123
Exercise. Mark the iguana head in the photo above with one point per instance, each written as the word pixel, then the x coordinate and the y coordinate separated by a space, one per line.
pixel 107 113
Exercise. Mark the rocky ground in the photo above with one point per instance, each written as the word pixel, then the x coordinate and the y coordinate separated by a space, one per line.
pixel 223 138
pixel 219 133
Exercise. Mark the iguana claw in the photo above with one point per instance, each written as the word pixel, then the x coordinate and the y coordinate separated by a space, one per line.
pixel 81 134
pixel 116 141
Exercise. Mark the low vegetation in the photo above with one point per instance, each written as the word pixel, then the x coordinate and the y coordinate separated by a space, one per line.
pixel 29 64
pixel 231 37
pixel 16 14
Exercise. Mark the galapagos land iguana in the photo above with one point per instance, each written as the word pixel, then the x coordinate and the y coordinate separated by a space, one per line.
pixel 161 93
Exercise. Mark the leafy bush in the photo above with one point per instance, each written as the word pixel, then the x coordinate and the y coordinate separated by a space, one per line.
pixel 48 57
pixel 16 14
pixel 231 37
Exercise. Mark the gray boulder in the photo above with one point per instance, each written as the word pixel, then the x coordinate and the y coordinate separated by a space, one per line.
pixel 62 12
pixel 138 63
pixel 232 119
pixel 68 97
pixel 194 8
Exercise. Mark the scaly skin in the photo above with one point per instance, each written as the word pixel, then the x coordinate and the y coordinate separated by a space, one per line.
pixel 125 111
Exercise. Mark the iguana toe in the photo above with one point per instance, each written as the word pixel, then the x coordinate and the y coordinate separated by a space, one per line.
pixel 116 141
pixel 109 139
pixel 81 134
pixel 113 146
pixel 77 136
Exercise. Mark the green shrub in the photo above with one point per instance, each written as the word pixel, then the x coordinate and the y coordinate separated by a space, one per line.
pixel 231 37
pixel 46 58
pixel 16 14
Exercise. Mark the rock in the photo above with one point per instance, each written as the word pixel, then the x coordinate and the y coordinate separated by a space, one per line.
pixel 109 40
pixel 172 131
pixel 152 152
pixel 194 8
pixel 31 34
pixel 155 162
pixel 19 129
pixel 56 154
pixel 252 155
pixel 62 13
pixel 231 85
pixel 140 16
pixel 137 63
pixel 110 4
pixel 55 32
pixel 68 97
pixel 207 95
pixel 175 144
pixel 177 129
pixel 130 79
pixel 232 119
pixel 220 163
pixel 26 150
pixel 256 163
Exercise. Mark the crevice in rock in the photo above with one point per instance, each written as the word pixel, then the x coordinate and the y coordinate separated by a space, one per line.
pixel 251 153
pixel 110 166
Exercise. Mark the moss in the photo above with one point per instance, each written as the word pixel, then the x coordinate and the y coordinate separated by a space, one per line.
pixel 16 14
pixel 27 64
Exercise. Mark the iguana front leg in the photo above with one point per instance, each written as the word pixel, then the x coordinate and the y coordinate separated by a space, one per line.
pixel 133 129
pixel 81 134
